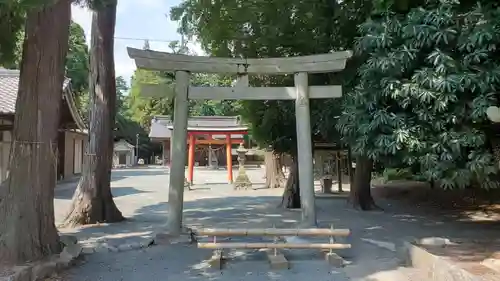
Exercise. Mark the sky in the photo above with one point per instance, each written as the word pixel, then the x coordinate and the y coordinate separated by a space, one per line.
pixel 144 19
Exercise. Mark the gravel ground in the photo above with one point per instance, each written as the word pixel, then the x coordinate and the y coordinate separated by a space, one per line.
pixel 142 196
pixel 177 262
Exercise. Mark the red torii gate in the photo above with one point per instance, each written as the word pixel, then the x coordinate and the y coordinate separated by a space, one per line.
pixel 228 141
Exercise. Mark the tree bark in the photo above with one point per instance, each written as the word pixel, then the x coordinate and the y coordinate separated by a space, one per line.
pixel 93 201
pixel 27 229
pixel 291 194
pixel 275 178
pixel 360 195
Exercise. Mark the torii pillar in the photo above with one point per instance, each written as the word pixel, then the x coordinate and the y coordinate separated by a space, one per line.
pixel 301 93
pixel 229 159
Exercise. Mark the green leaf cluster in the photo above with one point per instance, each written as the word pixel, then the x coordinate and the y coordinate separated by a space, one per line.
pixel 281 28
pixel 427 79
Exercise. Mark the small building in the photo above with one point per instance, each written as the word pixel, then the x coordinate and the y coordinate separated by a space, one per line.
pixel 213 140
pixel 123 154
pixel 211 133
pixel 72 130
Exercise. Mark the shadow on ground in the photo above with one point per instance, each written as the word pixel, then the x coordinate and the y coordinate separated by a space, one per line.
pixel 374 238
pixel 119 191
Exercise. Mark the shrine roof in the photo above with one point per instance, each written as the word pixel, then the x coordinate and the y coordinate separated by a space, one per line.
pixel 162 126
pixel 9 84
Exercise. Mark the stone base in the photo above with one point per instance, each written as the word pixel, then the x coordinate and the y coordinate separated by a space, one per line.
pixel 277 261
pixel 165 237
pixel 438 268
pixel 242 182
pixel 334 260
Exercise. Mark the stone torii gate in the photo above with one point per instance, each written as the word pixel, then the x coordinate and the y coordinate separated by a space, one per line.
pixel 183 65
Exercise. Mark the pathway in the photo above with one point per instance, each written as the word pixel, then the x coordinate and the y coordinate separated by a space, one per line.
pixel 141 194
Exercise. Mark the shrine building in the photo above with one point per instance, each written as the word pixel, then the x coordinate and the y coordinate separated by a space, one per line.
pixel 212 141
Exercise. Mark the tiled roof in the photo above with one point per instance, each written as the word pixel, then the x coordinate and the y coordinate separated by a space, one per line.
pixel 9 80
pixel 9 84
pixel 214 122
pixel 161 126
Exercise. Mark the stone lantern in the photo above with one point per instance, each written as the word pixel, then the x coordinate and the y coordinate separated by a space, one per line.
pixel 242 180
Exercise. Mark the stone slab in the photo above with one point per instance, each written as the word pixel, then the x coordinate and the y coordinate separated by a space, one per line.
pixel 334 260
pixel 437 268
pixel 277 260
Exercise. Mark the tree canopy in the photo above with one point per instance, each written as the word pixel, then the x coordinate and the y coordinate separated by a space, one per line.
pixel 423 92
pixel 415 93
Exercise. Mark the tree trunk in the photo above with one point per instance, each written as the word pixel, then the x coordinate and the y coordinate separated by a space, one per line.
pixel 275 177
pixel 93 201
pixel 27 229
pixel 291 194
pixel 360 195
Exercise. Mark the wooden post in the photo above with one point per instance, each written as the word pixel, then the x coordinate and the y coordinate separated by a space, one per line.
pixel 192 144
pixel 179 138
pixel 229 159
pixel 339 170
pixel 304 150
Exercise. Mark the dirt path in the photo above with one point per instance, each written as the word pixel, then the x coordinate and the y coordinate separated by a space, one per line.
pixel 375 235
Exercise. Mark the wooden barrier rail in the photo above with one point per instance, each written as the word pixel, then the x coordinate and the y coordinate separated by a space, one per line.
pixel 272 232
pixel 277 261
pixel 237 245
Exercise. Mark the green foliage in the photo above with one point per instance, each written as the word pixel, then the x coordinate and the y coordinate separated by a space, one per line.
pixel 12 17
pixel 397 174
pixel 213 107
pixel 282 28
pixel 77 60
pixel 141 109
pixel 423 90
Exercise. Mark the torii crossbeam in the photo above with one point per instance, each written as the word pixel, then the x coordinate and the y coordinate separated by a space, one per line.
pixel 183 65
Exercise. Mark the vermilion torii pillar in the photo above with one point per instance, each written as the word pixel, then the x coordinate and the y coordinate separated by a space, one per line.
pixel 300 67
pixel 228 142
pixel 192 146
pixel 229 159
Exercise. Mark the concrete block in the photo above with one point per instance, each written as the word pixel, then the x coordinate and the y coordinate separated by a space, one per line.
pixel 277 260
pixel 437 268
pixel 334 260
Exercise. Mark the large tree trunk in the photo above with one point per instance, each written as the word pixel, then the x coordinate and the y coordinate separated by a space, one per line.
pixel 93 201
pixel 275 178
pixel 360 195
pixel 291 194
pixel 27 228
